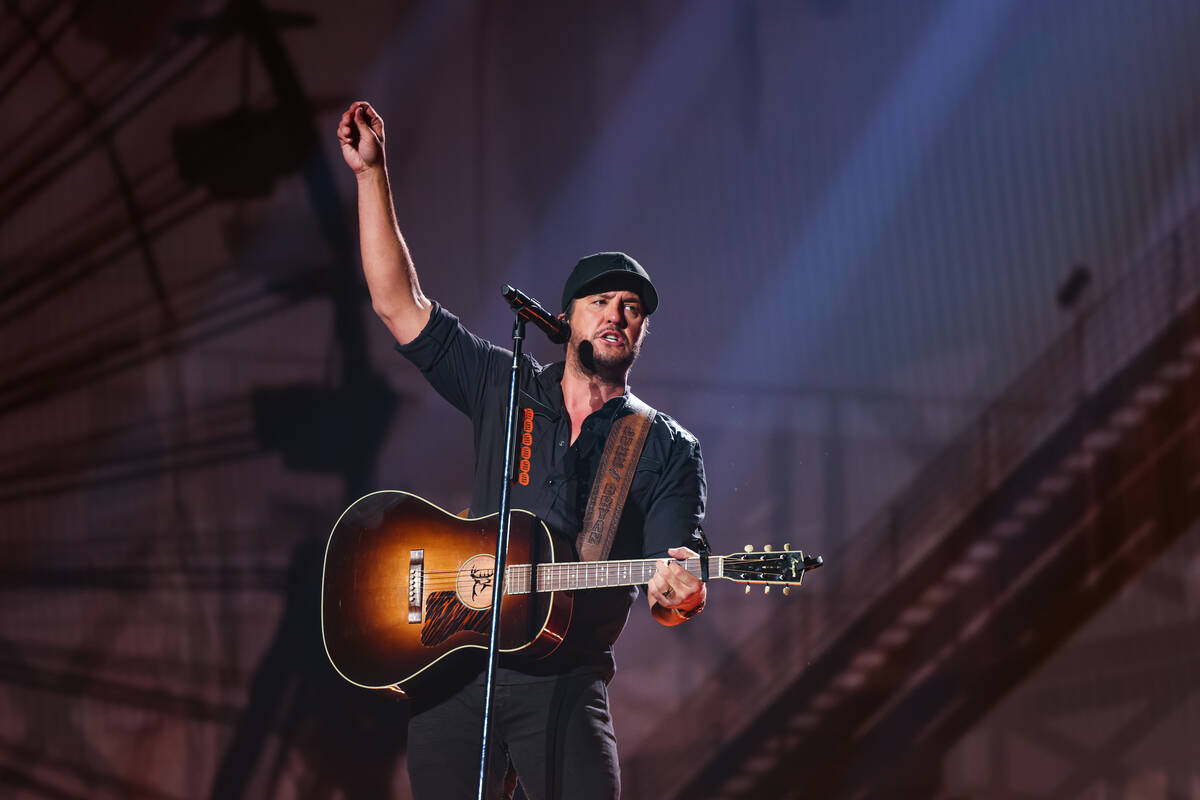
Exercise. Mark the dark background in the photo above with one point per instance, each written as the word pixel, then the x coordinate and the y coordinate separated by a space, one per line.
pixel 861 217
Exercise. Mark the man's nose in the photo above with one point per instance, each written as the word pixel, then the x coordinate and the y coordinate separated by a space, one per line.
pixel 613 314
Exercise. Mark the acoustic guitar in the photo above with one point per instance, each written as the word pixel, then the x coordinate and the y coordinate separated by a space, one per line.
pixel 406 585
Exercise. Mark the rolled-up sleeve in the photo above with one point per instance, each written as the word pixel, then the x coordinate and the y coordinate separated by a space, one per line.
pixel 458 364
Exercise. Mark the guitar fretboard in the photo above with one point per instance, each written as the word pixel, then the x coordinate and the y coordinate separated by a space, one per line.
pixel 566 576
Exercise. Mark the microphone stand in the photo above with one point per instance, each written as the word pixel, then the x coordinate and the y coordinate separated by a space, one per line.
pixel 510 452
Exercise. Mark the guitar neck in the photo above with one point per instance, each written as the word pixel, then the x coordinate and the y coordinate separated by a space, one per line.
pixel 570 575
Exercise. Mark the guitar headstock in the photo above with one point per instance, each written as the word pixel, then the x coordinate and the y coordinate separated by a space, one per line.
pixel 769 568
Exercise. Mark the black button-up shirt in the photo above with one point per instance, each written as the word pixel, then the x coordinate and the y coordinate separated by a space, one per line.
pixel 554 477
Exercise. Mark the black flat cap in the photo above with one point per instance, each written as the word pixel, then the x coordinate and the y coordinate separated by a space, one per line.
pixel 605 272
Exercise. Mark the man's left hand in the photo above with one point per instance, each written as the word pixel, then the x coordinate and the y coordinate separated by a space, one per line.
pixel 674 589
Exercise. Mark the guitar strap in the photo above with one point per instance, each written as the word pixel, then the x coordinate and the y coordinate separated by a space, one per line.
pixel 614 476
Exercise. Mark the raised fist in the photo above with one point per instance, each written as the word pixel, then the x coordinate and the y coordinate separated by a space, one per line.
pixel 360 132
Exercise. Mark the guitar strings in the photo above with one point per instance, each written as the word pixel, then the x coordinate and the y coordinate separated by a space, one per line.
pixel 443 579
pixel 566 566
pixel 560 567
pixel 742 564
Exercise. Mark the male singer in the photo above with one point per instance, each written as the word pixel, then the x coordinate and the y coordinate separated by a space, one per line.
pixel 551 718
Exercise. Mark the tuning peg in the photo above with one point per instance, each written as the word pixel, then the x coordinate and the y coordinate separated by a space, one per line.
pixel 767 548
pixel 787 590
pixel 747 588
pixel 767 589
pixel 748 549
pixel 787 547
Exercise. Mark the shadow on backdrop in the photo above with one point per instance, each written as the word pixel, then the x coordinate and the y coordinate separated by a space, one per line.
pixel 349 739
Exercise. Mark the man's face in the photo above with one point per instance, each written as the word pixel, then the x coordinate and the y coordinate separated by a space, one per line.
pixel 607 330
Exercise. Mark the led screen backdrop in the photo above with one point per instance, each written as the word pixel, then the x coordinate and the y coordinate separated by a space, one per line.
pixel 928 273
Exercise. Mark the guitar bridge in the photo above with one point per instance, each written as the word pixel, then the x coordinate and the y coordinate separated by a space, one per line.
pixel 416 584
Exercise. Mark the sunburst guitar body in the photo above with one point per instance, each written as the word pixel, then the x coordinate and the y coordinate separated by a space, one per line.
pixel 407 587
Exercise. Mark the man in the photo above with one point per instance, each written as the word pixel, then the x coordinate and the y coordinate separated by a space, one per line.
pixel 551 720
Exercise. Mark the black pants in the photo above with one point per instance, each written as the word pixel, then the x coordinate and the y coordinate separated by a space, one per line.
pixel 556 732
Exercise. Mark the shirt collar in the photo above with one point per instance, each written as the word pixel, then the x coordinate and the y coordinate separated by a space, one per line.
pixel 550 384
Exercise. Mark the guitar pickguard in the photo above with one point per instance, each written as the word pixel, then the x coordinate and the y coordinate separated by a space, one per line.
pixel 446 616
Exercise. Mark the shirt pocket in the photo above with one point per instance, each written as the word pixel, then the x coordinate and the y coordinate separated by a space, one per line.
pixel 646 476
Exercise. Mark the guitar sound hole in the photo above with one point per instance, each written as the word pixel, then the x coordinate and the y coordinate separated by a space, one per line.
pixel 474 583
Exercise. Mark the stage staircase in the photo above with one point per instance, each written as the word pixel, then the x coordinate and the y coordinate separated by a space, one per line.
pixel 1074 479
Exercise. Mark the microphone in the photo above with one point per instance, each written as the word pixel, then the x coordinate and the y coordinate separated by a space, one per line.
pixel 529 309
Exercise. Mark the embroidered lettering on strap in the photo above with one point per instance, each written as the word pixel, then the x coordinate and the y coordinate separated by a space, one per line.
pixel 614 476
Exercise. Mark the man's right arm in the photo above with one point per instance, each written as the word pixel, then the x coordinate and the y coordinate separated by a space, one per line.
pixel 396 295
